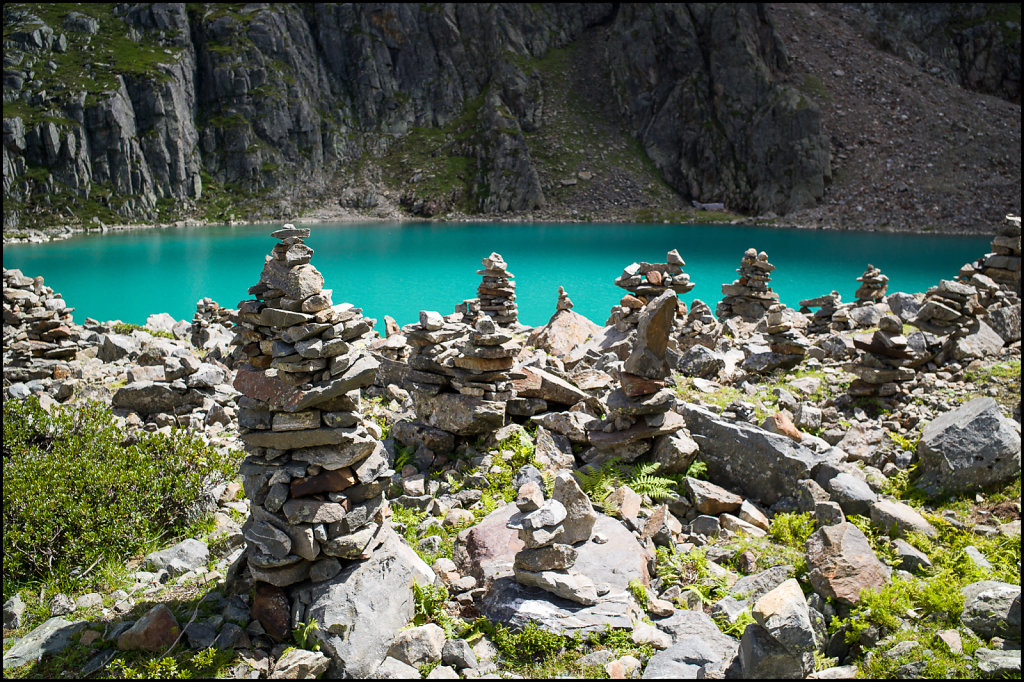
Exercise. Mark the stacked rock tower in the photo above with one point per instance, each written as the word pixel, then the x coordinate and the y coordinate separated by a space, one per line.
pixel 497 292
pixel 645 282
pixel 749 296
pixel 549 529
pixel 37 322
pixel 315 473
pixel 873 285
pixel 881 367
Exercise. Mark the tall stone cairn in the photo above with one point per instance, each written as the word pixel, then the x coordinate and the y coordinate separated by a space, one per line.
pixel 699 328
pixel 881 367
pixel 497 292
pixel 645 282
pixel 749 296
pixel 782 337
pixel 873 285
pixel 316 472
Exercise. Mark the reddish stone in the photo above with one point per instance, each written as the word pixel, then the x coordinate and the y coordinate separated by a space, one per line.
pixel 324 482
pixel 784 425
pixel 654 277
pixel 633 385
pixel 631 301
pixel 155 631
pixel 270 606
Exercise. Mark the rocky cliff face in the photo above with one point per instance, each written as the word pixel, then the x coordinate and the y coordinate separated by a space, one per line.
pixel 140 112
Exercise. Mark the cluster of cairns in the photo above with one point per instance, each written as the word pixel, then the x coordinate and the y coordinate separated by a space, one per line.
pixel 315 472
pixel 645 282
pixel 873 285
pixel 639 417
pixel 749 297
pixel 497 292
pixel 549 529
pixel 825 319
pixel 37 323
pixel 882 365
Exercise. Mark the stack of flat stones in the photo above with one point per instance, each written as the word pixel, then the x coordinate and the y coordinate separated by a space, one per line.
pixel 699 328
pixel 37 323
pixel 823 320
pixel 483 366
pixel 434 345
pixel 497 292
pixel 208 316
pixel 645 282
pixel 949 308
pixel 782 337
pixel 1003 265
pixel 469 310
pixel 639 411
pixel 881 367
pixel 873 285
pixel 316 472
pixel 749 297
pixel 549 530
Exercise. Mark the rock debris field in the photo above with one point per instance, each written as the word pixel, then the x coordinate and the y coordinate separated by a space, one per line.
pixel 577 478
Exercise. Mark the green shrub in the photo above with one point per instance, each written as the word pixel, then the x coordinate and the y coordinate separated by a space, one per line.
pixel 791 530
pixel 77 489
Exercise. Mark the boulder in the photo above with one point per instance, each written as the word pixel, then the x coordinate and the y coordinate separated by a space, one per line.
pixel 154 632
pixel 701 362
pixel 463 415
pixel 187 555
pixel 969 449
pixel 841 563
pixel 148 397
pixel 362 608
pixel 709 498
pixel 52 637
pixel 764 657
pixel 992 609
pixel 300 664
pixel 895 518
pixel 746 458
pixel 1005 322
pixel 419 645
pixel 649 355
pixel 784 614
pixel 564 332
pixel 853 495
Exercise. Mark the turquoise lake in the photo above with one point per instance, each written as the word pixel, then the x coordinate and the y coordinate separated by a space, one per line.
pixel 400 269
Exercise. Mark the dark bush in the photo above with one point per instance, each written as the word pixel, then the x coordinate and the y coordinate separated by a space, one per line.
pixel 78 488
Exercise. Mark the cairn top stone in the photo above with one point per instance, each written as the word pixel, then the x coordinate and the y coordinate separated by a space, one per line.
pixel 290 230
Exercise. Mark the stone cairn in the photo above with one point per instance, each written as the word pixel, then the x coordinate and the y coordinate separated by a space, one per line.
pixel 213 327
pixel 823 320
pixel 460 376
pixel 316 472
pixel 699 328
pixel 549 529
pixel 873 286
pixel 37 324
pixel 645 282
pixel 749 297
pixel 1003 264
pixel 881 367
pixel 640 409
pixel 949 308
pixel 782 337
pixel 497 292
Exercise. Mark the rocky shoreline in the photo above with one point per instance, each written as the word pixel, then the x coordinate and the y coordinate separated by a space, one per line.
pixel 364 451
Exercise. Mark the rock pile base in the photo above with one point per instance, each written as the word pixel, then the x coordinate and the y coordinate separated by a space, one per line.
pixel 822 321
pixel 645 282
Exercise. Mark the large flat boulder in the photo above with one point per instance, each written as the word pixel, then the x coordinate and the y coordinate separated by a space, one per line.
pixel 746 458
pixel 464 415
pixel 968 449
pixel 699 649
pixel 841 563
pixel 362 608
pixel 148 397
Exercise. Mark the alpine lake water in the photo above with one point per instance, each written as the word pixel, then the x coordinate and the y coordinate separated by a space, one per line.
pixel 400 269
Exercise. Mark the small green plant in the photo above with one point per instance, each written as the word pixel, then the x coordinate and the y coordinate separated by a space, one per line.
pixel 735 629
pixel 639 592
pixel 698 469
pixel 791 529
pixel 429 604
pixel 303 635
